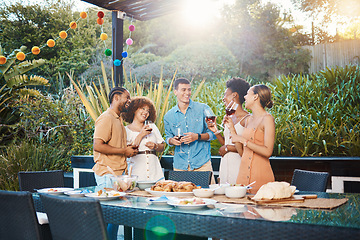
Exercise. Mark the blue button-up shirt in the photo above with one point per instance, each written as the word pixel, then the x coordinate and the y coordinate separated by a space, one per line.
pixel 196 153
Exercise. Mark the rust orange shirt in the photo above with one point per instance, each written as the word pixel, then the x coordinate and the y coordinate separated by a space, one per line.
pixel 109 127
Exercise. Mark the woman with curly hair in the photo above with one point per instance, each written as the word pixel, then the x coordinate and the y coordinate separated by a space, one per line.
pixel 236 89
pixel 147 136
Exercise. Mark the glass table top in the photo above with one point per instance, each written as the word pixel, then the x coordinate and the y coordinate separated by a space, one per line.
pixel 346 215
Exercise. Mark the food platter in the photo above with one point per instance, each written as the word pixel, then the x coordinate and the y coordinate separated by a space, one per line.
pixel 109 196
pixel 168 194
pixel 176 204
pixel 55 190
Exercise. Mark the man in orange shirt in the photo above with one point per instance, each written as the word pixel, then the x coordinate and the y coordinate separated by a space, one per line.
pixel 110 143
pixel 110 138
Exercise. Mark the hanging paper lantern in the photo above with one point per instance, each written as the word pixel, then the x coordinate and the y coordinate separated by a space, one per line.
pixel 35 50
pixel 131 28
pixel 2 60
pixel 129 41
pixel 50 43
pixel 103 36
pixel 108 52
pixel 100 14
pixel 100 21
pixel 124 54
pixel 73 25
pixel 63 34
pixel 117 62
pixel 20 56
pixel 83 15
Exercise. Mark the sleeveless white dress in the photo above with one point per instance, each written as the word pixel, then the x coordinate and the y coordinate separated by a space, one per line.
pixel 146 166
pixel 230 162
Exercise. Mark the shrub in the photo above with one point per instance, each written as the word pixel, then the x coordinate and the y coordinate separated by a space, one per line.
pixel 318 114
pixel 28 156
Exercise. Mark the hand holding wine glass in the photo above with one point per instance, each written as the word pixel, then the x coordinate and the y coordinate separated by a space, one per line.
pixel 147 125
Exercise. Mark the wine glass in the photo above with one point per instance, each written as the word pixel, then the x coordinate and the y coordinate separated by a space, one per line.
pixel 179 135
pixel 148 122
pixel 209 115
pixel 230 110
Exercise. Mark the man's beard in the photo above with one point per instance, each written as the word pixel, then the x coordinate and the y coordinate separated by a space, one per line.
pixel 123 108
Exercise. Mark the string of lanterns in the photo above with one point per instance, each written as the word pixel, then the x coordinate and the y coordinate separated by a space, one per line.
pixel 63 35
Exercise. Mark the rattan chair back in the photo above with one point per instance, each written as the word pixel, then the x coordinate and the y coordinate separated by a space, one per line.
pixel 310 180
pixel 30 181
pixel 18 219
pixel 199 178
pixel 74 218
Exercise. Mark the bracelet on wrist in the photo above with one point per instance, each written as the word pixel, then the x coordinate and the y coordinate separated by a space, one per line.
pixel 217 132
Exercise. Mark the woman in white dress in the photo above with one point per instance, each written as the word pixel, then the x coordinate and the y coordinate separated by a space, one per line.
pixel 147 136
pixel 236 89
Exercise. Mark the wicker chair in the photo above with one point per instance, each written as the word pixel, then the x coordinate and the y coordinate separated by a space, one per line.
pixel 18 218
pixel 309 180
pixel 30 181
pixel 74 218
pixel 200 178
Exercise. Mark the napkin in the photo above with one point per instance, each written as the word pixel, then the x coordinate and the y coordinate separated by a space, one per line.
pixel 42 218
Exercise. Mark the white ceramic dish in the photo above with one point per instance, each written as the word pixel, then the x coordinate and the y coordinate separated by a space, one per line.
pixel 159 201
pixel 235 192
pixel 110 196
pixel 145 184
pixel 203 192
pixel 55 190
pixel 175 203
pixel 75 193
pixel 220 188
pixel 168 194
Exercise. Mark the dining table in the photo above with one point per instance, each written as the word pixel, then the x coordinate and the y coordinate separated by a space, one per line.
pixel 236 218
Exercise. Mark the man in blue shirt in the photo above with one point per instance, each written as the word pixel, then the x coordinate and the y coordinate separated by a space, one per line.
pixel 187 119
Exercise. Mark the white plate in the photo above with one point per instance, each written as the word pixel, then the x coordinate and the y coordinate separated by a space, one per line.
pixel 55 190
pixel 175 203
pixel 109 197
pixel 155 201
pixel 75 193
pixel 168 194
pixel 231 208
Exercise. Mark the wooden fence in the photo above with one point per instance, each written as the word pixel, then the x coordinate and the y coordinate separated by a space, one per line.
pixel 334 54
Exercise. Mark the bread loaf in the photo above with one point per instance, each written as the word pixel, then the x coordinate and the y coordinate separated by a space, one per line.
pixel 275 190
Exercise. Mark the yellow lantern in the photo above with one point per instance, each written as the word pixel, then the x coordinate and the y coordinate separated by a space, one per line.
pixel 35 50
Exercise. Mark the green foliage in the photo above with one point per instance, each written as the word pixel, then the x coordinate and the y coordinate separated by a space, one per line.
pixel 318 115
pixel 197 60
pixel 34 23
pixel 264 47
pixel 27 156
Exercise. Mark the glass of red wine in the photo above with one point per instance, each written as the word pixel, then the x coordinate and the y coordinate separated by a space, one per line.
pixel 209 115
pixel 148 122
pixel 179 135
pixel 230 110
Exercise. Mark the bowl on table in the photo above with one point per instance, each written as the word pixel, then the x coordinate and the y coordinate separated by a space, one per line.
pixel 124 182
pixel 145 184
pixel 219 188
pixel 235 191
pixel 203 192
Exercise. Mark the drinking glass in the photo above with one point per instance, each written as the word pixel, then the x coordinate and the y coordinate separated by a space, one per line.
pixel 209 115
pixel 179 135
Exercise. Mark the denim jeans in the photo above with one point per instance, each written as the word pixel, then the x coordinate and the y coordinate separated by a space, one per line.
pixel 104 182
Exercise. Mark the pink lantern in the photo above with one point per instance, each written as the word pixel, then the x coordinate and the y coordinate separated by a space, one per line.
pixel 131 28
pixel 129 41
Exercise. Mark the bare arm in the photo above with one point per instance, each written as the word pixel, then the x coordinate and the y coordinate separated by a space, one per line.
pixel 102 147
pixel 213 127
pixel 265 150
